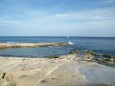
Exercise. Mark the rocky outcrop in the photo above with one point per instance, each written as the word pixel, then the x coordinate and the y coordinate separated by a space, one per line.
pixel 17 45
pixel 89 55
pixel 104 59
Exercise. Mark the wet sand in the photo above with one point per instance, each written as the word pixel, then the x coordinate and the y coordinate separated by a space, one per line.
pixel 63 71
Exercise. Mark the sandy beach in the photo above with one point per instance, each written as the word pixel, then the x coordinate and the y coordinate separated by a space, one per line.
pixel 63 71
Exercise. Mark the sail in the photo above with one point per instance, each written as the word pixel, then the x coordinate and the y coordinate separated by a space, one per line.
pixel 67 36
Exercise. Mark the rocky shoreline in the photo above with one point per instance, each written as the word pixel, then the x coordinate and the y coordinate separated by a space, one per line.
pixel 89 55
pixel 18 45
pixel 65 70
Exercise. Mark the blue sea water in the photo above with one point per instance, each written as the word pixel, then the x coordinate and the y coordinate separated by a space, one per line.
pixel 100 45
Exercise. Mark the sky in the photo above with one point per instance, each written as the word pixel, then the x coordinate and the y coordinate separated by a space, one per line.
pixel 57 18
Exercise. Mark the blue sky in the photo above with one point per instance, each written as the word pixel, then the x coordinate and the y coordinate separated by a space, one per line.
pixel 57 18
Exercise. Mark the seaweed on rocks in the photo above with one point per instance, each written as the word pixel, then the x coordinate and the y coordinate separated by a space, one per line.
pixel 51 57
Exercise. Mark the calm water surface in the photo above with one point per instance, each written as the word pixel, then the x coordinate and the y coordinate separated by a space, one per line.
pixel 101 45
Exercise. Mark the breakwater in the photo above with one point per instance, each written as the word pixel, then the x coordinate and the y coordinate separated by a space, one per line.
pixel 18 45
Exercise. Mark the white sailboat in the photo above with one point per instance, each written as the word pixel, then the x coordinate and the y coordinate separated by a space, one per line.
pixel 69 41
pixel 67 36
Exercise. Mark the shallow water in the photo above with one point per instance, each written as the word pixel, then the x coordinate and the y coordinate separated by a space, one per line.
pixel 98 74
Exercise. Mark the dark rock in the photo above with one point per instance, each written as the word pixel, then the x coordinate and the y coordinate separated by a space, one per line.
pixel 74 52
pixel 107 56
pixel 43 81
pixel 51 57
pixel 107 59
pixel 96 59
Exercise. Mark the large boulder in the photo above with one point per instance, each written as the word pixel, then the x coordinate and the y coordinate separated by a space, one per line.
pixel 89 55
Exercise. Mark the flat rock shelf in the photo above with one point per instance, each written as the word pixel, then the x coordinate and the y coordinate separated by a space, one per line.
pixel 18 45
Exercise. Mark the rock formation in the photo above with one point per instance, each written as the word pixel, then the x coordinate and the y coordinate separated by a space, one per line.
pixel 6 80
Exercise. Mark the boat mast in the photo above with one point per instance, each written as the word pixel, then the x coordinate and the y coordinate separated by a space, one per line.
pixel 67 36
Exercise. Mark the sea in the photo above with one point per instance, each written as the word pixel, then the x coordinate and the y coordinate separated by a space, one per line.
pixel 100 45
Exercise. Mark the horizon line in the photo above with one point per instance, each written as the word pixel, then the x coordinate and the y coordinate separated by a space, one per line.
pixel 57 36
